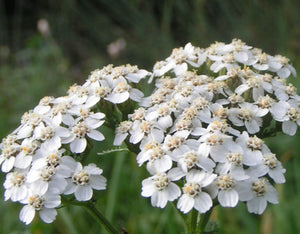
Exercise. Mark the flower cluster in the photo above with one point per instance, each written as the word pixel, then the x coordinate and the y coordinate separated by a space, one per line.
pixel 202 127
pixel 200 133
pixel 40 156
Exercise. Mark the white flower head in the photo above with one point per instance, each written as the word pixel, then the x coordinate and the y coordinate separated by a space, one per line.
pixel 288 114
pixel 161 189
pixel 193 194
pixel 84 180
pixel 15 185
pixel 82 128
pixel 257 192
pixel 43 204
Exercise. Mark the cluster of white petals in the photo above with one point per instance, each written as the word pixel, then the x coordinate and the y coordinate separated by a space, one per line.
pixel 41 156
pixel 200 131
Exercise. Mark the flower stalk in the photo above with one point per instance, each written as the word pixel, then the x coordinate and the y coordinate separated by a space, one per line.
pixel 97 215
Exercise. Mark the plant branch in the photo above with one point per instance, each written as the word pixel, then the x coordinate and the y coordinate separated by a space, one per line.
pixel 90 207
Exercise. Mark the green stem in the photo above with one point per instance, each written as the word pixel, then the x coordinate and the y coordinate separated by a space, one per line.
pixel 90 207
pixel 100 218
pixel 204 220
pixel 194 219
pixel 183 217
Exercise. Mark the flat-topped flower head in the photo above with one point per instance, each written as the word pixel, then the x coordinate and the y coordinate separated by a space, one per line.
pixel 197 125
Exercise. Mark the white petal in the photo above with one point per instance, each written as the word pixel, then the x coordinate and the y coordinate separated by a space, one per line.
pixel 97 115
pixel 241 57
pixel 185 203
pixel 161 165
pixel 203 202
pixel 206 164
pixel 289 127
pixel 69 162
pixel 159 199
pixel 91 101
pixel 261 112
pixel 228 198
pixel 148 188
pixel 252 126
pixel 176 174
pixel 8 164
pixel 98 182
pixel 93 123
pixel 257 205
pixel 165 122
pixel 180 69
pixel 118 97
pixel 22 161
pixel 204 150
pixel 218 153
pixel 7 194
pixel 242 88
pixel 55 141
pixel 92 169
pixel 83 193
pixel 95 135
pixel 173 191
pixel 19 194
pixel 71 188
pixel 261 67
pixel 220 78
pixel 257 92
pixel 136 95
pixel 27 214
pixel 283 73
pixel 78 145
pixel 272 195
pixel 41 109
pixel 275 65
pixel 25 131
pixel 68 120
pixel 119 138
pixel 52 200
pixel 292 69
pixel 277 175
pixel 208 179
pixel 251 159
pixel 136 137
pixel 48 215
pixel 279 110
pixel 62 132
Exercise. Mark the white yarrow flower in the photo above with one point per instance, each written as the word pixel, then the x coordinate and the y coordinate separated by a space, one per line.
pixel 84 180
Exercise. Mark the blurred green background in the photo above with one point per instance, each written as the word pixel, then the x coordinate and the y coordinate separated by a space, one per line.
pixel 45 46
